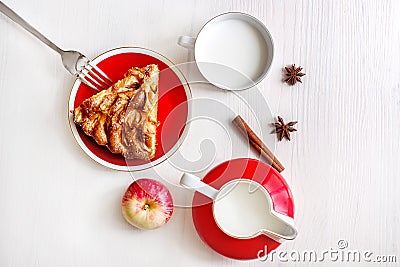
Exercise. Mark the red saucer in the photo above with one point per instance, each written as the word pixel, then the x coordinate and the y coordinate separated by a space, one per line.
pixel 273 182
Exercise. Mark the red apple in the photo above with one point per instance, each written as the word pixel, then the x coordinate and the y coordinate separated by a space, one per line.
pixel 147 204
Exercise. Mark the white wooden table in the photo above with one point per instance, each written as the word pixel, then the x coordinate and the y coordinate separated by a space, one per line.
pixel 59 208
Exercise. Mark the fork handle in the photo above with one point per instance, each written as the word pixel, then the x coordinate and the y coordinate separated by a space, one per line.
pixel 17 19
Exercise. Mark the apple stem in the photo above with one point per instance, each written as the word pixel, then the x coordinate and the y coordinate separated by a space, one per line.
pixel 146 206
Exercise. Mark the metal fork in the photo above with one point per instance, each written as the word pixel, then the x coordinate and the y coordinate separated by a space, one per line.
pixel 76 63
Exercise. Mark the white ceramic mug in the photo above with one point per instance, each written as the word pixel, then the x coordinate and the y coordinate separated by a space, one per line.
pixel 242 208
pixel 233 51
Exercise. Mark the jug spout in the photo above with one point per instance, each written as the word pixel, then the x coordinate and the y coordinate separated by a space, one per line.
pixel 280 229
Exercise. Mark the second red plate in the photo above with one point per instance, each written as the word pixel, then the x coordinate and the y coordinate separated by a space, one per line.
pixel 212 235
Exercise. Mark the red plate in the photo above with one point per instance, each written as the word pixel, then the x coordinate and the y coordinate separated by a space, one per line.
pixel 173 92
pixel 240 249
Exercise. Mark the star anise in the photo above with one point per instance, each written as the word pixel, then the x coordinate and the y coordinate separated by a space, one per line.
pixel 293 74
pixel 283 130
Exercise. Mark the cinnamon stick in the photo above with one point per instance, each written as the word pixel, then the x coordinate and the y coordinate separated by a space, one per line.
pixel 256 142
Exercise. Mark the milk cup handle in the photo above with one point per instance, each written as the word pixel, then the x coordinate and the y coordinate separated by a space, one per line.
pixel 187 41
pixel 193 182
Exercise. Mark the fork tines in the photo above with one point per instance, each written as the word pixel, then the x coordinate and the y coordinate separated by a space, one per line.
pixel 94 77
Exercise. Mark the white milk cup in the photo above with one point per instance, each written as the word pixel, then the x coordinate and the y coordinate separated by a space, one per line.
pixel 242 208
pixel 233 51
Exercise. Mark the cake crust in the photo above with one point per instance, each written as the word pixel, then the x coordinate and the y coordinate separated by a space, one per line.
pixel 124 116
